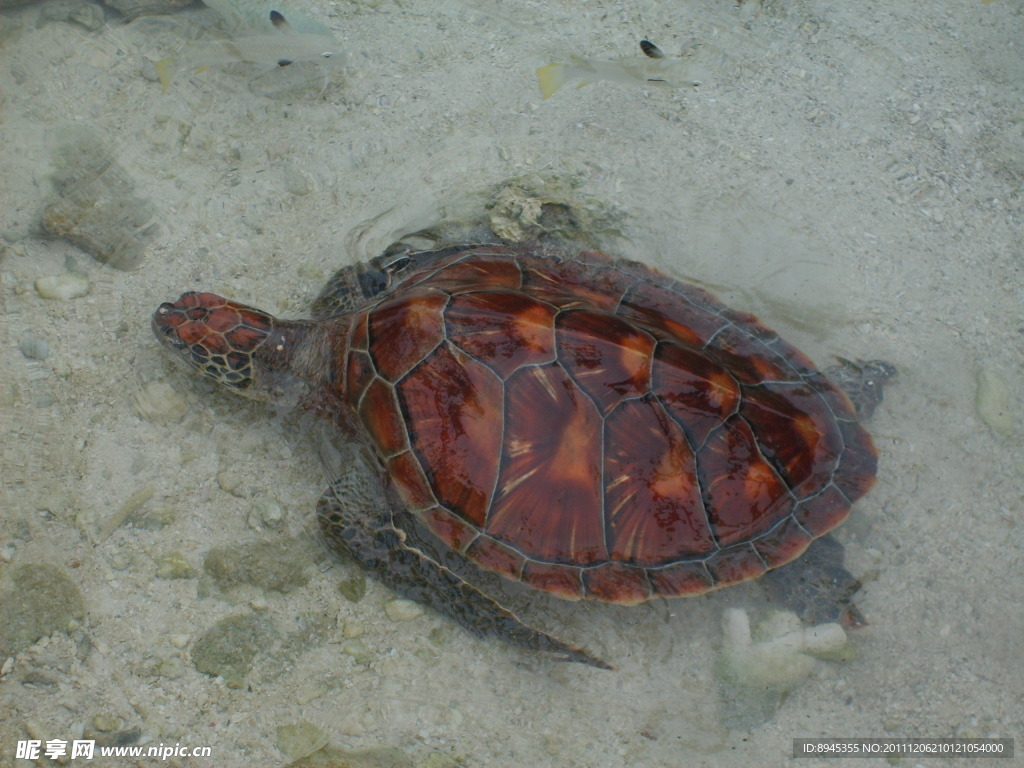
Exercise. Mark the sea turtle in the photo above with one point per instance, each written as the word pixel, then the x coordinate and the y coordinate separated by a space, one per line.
pixel 580 424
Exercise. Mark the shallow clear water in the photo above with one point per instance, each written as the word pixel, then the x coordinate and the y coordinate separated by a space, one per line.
pixel 850 173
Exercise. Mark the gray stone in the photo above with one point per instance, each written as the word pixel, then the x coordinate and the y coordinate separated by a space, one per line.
pixel 279 566
pixel 37 600
pixel 228 648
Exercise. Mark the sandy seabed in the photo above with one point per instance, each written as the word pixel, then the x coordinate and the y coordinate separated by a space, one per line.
pixel 850 172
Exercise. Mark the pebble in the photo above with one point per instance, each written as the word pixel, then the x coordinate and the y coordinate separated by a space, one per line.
pixel 179 640
pixel 62 287
pixel 297 740
pixel 119 738
pixel 89 15
pixel 230 481
pixel 278 566
pixel 34 348
pixel 781 633
pixel 228 648
pixel 266 513
pixel 123 561
pixel 335 757
pixel 173 565
pixel 353 588
pixel 171 668
pixel 296 183
pixel 106 723
pixel 992 401
pixel 155 519
pixel 402 610
pixel 350 630
pixel 358 651
pixel 38 599
pixel 440 636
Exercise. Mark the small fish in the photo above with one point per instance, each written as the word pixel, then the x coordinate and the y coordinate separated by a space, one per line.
pixel 257 16
pixel 281 48
pixel 653 68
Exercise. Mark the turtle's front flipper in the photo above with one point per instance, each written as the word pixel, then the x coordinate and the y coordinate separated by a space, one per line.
pixel 386 552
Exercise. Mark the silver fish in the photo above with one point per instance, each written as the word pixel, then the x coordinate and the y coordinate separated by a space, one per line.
pixel 256 16
pixel 279 48
pixel 653 67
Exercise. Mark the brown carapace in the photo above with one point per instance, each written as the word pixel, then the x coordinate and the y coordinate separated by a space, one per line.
pixel 583 425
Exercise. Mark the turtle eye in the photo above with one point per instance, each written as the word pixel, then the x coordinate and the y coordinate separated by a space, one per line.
pixel 381 271
pixel 392 264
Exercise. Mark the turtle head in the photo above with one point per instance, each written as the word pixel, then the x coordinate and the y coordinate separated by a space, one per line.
pixel 240 347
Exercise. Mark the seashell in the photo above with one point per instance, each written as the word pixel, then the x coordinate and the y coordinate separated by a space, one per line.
pixel 156 401
pixel 34 348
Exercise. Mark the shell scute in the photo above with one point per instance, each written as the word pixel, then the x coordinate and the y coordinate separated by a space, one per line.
pixel 607 357
pixel 617 582
pixel 496 557
pixel 566 581
pixel 549 498
pixel 697 391
pixel 359 335
pixel 503 329
pixel 822 512
pixel 800 441
pixel 784 542
pixel 671 316
pixel 476 273
pixel 688 577
pixel 359 372
pixel 736 564
pixel 452 407
pixel 569 284
pixel 859 462
pixel 747 358
pixel 653 497
pixel 745 495
pixel 405 329
pixel 449 528
pixel 379 413
pixel 412 484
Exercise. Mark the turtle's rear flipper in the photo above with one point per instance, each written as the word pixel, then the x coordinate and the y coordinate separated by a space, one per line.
pixel 817 587
pixel 862 381
pixel 389 555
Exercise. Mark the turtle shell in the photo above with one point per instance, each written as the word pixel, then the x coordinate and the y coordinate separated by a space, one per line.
pixel 594 429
